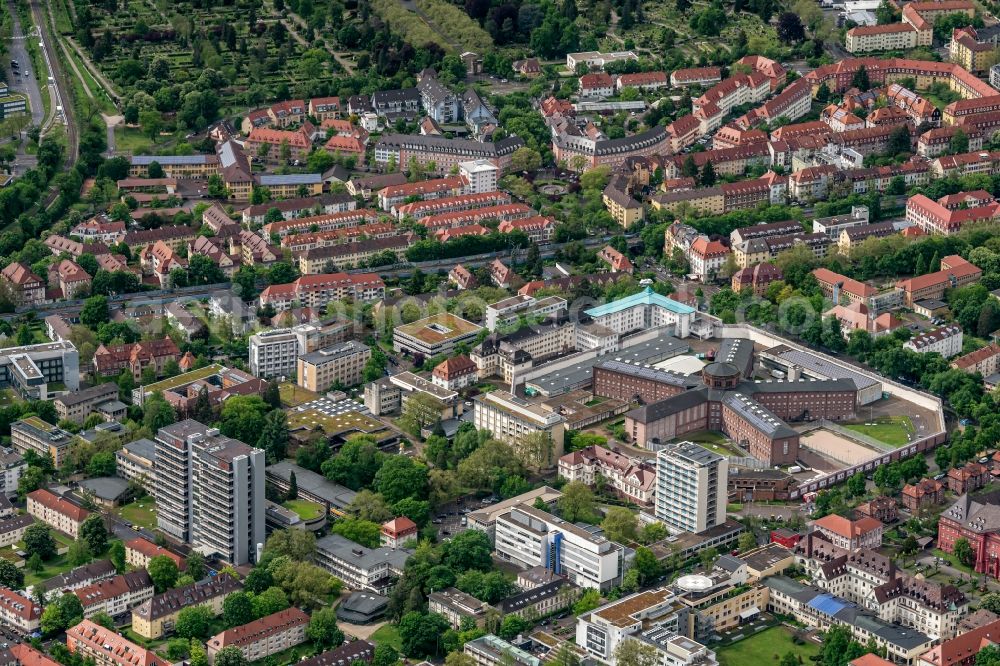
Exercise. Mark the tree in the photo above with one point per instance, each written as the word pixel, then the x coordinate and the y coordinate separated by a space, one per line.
pixel 525 159
pixel 194 622
pixel 154 170
pixel 689 168
pixel 385 655
pixel 789 659
pixel 468 550
pixel 963 551
pixel 707 177
pixel 10 575
pixel 990 602
pixel 157 413
pixel 647 566
pixel 362 532
pixel 117 556
pixel 304 583
pixel 835 645
pixel 322 629
pixel 230 656
pixel 959 142
pixel 620 524
pixel 78 554
pixel 274 436
pixel 38 541
pixel 899 140
pixel 196 565
pixel 652 533
pixel 243 417
pixel 587 602
pixel 237 609
pixel 856 485
pixel 421 634
pixel 102 464
pixel 860 80
pixel 886 13
pixel 95 534
pixel 400 477
pixel 94 312
pixel 299 545
pixel 270 601
pixel 163 571
pixel 631 652
pixel 577 502
pixel 512 626
pixel 988 655
pixel 790 30
pixel 747 541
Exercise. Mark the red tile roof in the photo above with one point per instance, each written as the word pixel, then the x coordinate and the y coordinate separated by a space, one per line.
pixel 58 504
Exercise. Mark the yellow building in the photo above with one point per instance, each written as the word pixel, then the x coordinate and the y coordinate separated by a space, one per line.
pixel 707 200
pixel 768 560
pixel 156 617
pixel 292 185
pixel 341 364
pixel 723 609
pixel 176 166
pixel 350 255
pixel 625 210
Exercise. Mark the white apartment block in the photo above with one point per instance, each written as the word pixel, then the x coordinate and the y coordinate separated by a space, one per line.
pixel 594 336
pixel 359 567
pixel 508 311
pixel 12 465
pixel 481 176
pixel 273 353
pixel 116 596
pixel 944 340
pixel 210 491
pixel 510 419
pixel 690 488
pixel 56 512
pixel 529 538
pixel 643 311
pixel 19 612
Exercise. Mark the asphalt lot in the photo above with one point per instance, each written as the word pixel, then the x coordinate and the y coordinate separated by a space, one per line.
pixel 448 520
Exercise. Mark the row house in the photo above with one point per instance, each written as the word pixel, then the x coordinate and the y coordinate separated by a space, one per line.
pixel 732 135
pixel 324 222
pixel 435 188
pixel 631 478
pixel 870 140
pixel 324 108
pixel 597 84
pixel 759 250
pixel 263 637
pixel 106 647
pixel 445 235
pixel 352 255
pixel 643 81
pixel 316 291
pixel 157 617
pixel 791 103
pixel 839 76
pixel 299 242
pixel 937 141
pixel 346 146
pixel 270 144
pixel 742 194
pixel 966 164
pixel 117 595
pixel 393 104
pixel 419 209
pixel 919 109
pixel 326 204
pixel 734 91
pixel 539 228
pixel 683 132
pixel 923 494
pixel 985 360
pixel 19 612
pixel 501 213
pixel 965 107
pixel 216 251
pixel 984 124
pixel 695 76
pixel 840 119
pixel 851 238
pixel 255 250
pixel 56 512
pixel 726 162
pixel 175 237
pixel 887 116
pixel 933 217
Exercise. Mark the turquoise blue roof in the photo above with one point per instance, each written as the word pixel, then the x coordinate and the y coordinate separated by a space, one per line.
pixel 645 297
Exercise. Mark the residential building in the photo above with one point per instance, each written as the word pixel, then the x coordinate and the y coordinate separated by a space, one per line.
pixel 541 600
pixel 851 534
pixel 12 465
pixel 968 478
pixel 516 422
pixel 274 353
pixel 631 478
pixel 456 606
pixel 955 272
pixel 880 508
pixel 110 360
pixel 707 258
pixel 56 512
pixel 944 340
pixel 701 76
pixel 19 612
pixel 176 166
pixel 261 638
pixel 157 617
pixel 77 405
pixel 643 311
pixel 317 290
pixel 107 648
pixel 690 491
pixel 28 288
pixel 455 373
pixel 210 491
pixel 509 311
pixel 618 262
pixel 398 531
pixel 443 152
pixel 361 568
pixel 985 360
pixel 922 494
pixel 139 551
pixel 342 365
pixel 529 537
pixel 116 596
pixel 756 278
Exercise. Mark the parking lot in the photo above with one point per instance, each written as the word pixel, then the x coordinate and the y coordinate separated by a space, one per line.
pixel 449 520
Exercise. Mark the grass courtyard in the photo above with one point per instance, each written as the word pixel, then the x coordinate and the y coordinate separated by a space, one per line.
pixel 388 634
pixel 713 441
pixel 305 510
pixel 141 512
pixel 766 647
pixel 293 395
pixel 892 430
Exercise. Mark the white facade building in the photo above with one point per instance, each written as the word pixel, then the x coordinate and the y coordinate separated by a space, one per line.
pixel 690 488
pixel 511 419
pixel 274 353
pixel 481 176
pixel 945 340
pixel 529 538
pixel 643 311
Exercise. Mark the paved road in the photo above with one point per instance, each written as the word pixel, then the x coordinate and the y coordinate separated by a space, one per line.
pixel 28 85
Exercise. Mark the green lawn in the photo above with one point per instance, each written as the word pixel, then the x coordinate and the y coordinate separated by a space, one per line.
pixel 141 512
pixel 305 510
pixel 54 567
pixel 389 634
pixel 132 140
pixel 713 441
pixel 892 430
pixel 766 647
